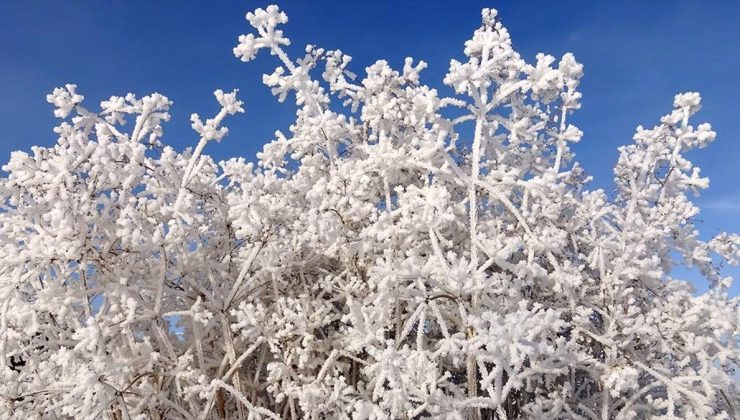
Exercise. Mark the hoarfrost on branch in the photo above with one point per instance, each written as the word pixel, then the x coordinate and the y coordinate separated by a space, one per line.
pixel 398 254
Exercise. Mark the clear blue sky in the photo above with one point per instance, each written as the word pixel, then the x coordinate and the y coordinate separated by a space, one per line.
pixel 637 55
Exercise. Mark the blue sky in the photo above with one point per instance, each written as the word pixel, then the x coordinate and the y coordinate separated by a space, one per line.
pixel 637 55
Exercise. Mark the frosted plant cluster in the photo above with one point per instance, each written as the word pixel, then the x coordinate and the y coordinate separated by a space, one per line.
pixel 398 254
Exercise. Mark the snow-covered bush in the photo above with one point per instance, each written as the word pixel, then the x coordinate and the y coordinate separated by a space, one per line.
pixel 400 253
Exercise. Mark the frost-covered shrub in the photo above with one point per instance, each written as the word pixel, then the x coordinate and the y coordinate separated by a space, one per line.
pixel 382 261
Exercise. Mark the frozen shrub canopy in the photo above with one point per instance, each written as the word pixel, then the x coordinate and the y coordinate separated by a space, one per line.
pixel 402 252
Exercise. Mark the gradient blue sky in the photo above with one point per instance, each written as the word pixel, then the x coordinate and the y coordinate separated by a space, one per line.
pixel 637 55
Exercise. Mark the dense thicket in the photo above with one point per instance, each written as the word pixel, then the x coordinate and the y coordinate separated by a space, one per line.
pixel 400 253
